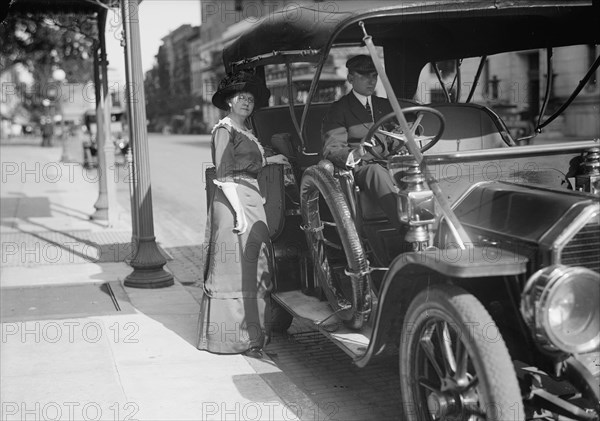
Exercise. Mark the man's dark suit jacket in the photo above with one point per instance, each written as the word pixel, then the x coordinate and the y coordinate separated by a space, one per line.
pixel 345 125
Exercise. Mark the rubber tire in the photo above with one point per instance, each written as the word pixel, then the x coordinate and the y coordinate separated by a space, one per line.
pixel 317 181
pixel 281 320
pixel 490 359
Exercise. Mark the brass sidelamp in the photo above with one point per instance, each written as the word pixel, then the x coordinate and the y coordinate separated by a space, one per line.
pixel 417 208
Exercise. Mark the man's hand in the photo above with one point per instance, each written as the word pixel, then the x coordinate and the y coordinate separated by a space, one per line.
pixel 357 153
pixel 397 141
pixel 361 151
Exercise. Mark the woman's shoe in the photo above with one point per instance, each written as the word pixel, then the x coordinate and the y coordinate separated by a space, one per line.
pixel 254 352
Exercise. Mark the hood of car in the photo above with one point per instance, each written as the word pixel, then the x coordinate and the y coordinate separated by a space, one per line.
pixel 525 212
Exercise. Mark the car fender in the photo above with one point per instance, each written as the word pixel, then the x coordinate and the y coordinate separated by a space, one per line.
pixel 409 273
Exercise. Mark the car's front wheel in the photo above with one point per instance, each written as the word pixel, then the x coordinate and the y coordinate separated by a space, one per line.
pixel 454 364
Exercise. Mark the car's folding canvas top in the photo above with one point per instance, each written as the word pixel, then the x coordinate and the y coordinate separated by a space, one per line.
pixel 437 30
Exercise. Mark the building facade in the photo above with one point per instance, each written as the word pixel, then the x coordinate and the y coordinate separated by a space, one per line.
pixel 222 22
pixel 177 54
pixel 514 85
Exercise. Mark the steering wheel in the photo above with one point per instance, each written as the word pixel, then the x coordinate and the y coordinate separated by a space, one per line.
pixel 420 110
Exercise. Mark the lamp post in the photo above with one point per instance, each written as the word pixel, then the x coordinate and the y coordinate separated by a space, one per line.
pixel 147 262
pixel 105 204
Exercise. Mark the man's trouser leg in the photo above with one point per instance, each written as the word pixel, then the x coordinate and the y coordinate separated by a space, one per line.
pixel 377 182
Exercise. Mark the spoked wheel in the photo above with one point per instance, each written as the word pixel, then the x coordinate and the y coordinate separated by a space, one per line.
pixel 336 250
pixel 454 364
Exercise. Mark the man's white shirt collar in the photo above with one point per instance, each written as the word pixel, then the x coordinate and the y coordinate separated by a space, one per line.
pixel 362 98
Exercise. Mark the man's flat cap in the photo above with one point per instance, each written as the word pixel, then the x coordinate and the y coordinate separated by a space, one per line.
pixel 361 64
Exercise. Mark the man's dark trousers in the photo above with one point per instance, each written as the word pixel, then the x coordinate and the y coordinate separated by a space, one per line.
pixel 375 181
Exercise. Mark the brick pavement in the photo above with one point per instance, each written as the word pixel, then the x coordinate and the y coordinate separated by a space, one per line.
pixel 340 389
pixel 185 263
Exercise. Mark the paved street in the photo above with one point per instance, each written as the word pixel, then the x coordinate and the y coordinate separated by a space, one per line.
pixel 178 196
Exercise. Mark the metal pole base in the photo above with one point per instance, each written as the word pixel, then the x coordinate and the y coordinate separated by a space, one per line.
pixel 147 266
pixel 157 278
pixel 100 215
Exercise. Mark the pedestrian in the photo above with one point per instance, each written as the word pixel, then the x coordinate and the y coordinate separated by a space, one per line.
pixel 237 281
pixel 47 131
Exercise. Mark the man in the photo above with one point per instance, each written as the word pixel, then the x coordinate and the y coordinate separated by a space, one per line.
pixel 47 131
pixel 344 128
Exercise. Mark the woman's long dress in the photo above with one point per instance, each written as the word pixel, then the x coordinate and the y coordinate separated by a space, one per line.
pixel 237 276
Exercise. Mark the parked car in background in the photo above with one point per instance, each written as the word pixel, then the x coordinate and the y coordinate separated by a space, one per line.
pixel 193 123
pixel 118 135
pixel 490 294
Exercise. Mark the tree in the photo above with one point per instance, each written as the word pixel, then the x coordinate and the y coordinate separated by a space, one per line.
pixel 44 43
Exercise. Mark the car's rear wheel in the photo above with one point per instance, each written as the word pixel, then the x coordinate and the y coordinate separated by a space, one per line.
pixel 337 253
pixel 454 364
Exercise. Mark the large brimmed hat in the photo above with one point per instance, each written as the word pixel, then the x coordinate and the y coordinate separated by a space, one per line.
pixel 240 82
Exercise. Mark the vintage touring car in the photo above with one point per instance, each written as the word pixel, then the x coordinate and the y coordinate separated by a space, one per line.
pixel 490 294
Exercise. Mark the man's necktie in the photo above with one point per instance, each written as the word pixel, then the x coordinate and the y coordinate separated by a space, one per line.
pixel 368 108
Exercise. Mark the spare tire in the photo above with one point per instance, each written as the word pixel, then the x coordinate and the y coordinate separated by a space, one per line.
pixel 336 249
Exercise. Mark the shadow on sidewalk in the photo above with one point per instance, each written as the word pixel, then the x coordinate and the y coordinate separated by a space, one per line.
pixel 34 242
pixel 68 301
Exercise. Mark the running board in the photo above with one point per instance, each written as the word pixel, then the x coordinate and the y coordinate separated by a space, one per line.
pixel 320 314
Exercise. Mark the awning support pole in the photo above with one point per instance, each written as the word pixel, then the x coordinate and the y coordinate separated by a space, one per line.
pixel 101 205
pixel 148 262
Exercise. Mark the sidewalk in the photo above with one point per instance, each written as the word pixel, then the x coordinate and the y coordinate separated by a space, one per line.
pixel 77 344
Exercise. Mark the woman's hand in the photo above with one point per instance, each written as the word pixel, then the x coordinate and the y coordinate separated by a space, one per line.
pixel 241 223
pixel 277 159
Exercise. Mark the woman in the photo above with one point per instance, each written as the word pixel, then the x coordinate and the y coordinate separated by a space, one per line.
pixel 237 273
